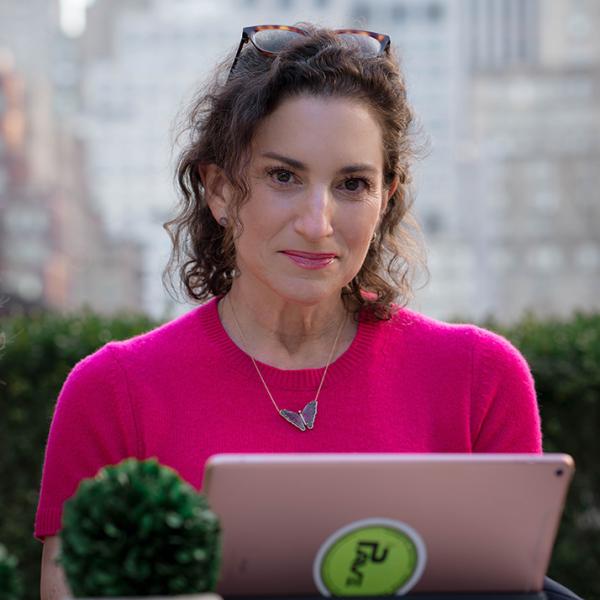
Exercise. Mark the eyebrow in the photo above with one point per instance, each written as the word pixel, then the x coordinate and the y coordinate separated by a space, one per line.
pixel 300 166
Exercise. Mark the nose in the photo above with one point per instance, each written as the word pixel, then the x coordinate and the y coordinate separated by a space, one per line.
pixel 314 214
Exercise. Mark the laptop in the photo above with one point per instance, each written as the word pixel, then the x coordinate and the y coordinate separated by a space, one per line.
pixel 385 524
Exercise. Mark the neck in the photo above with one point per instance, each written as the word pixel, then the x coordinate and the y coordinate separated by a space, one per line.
pixel 284 334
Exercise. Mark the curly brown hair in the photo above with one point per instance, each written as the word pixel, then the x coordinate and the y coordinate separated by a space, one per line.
pixel 220 127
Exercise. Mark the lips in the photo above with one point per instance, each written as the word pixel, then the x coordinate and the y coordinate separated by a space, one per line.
pixel 310 260
pixel 309 255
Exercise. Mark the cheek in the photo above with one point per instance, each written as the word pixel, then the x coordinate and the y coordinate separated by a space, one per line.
pixel 267 211
pixel 361 225
pixel 261 221
pixel 360 237
pixel 250 216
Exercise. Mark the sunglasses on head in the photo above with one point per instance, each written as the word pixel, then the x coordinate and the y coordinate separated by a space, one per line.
pixel 271 39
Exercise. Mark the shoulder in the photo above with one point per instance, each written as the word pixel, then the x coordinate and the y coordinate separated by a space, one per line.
pixel 179 329
pixel 170 342
pixel 158 348
pixel 407 324
pixel 436 336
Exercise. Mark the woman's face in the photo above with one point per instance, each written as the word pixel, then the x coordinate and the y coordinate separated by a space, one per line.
pixel 316 195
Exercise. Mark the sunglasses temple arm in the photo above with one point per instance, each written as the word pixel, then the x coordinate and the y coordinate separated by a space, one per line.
pixel 237 54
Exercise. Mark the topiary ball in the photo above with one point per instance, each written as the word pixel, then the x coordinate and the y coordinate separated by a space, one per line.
pixel 11 586
pixel 137 529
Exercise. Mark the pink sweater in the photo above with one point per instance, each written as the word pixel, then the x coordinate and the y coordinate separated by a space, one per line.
pixel 185 391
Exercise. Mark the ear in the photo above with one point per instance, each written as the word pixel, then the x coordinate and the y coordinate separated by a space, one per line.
pixel 217 190
pixel 389 192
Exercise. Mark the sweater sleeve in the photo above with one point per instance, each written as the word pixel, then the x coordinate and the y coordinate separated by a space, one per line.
pixel 505 413
pixel 93 425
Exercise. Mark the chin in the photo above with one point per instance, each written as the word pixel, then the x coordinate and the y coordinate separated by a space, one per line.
pixel 307 293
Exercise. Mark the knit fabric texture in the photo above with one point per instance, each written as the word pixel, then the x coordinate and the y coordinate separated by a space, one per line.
pixel 184 391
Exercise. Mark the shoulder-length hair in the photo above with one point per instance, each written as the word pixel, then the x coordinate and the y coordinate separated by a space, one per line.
pixel 219 128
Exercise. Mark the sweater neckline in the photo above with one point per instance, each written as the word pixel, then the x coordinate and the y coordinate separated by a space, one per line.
pixel 231 356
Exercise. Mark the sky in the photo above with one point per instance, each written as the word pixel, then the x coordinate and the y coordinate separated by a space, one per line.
pixel 72 16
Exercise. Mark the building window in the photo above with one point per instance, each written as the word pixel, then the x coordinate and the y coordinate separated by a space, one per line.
pixel 399 13
pixel 588 256
pixel 546 258
pixel 546 200
pixel 501 259
pixel 433 223
pixel 434 12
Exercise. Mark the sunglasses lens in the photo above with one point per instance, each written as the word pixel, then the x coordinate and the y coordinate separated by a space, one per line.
pixel 365 44
pixel 274 40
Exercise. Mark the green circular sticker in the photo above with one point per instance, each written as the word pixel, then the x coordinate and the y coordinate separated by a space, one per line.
pixel 371 557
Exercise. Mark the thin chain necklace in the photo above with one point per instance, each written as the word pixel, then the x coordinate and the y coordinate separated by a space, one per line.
pixel 305 418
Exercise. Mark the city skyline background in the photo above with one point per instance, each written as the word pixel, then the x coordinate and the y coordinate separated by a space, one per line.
pixel 504 90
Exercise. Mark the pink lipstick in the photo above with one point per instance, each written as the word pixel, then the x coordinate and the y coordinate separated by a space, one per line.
pixel 310 260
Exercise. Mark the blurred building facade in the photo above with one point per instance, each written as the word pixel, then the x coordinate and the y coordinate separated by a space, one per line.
pixel 143 68
pixel 531 165
pixel 54 249
pixel 503 92
pixel 141 58
pixel 24 220
pixel 427 36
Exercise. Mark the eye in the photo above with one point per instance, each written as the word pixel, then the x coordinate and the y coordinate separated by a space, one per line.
pixel 352 184
pixel 356 184
pixel 280 175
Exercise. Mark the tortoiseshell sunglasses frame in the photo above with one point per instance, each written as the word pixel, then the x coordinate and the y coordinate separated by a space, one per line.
pixel 249 32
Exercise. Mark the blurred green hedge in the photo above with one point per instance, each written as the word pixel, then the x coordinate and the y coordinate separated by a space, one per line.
pixel 564 357
pixel 41 349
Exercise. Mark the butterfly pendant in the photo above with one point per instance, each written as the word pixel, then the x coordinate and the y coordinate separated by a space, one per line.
pixel 303 419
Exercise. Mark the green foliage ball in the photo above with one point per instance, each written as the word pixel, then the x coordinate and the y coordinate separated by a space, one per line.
pixel 11 586
pixel 137 529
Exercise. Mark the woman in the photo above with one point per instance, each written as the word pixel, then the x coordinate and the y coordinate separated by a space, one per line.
pixel 293 221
